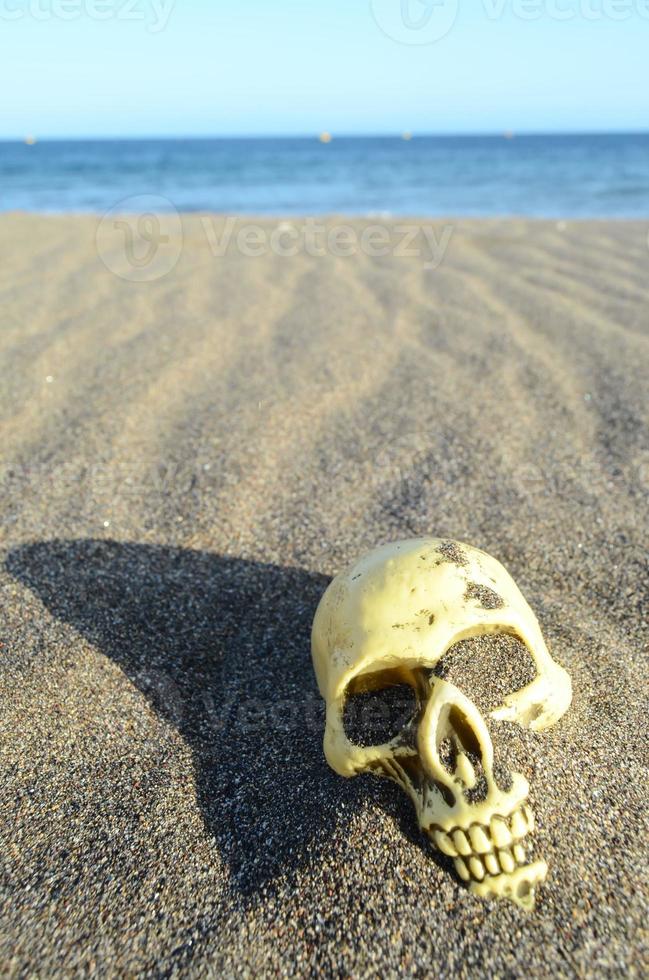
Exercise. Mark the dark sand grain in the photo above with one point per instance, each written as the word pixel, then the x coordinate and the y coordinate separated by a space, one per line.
pixel 184 465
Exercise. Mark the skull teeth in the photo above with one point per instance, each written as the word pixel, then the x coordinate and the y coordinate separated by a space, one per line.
pixel 445 843
pixel 485 851
pixel 476 867
pixel 479 839
pixel 491 864
pixel 519 825
pixel 500 832
pixel 519 853
pixel 462 869
pixel 480 866
pixel 506 859
pixel 461 842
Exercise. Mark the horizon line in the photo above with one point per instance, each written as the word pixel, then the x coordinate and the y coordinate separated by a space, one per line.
pixel 392 134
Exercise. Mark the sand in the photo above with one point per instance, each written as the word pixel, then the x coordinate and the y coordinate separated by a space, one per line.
pixel 185 463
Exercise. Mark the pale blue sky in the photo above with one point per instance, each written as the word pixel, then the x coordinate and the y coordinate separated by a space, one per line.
pixel 241 67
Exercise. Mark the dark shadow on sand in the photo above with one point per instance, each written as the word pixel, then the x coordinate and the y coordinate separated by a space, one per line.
pixel 220 648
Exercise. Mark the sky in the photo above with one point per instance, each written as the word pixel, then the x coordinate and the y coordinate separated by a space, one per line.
pixel 91 68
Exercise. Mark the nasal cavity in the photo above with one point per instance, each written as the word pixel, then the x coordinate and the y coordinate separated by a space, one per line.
pixel 461 754
pixel 463 732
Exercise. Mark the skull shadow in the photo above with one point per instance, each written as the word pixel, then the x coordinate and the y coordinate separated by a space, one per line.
pixel 220 647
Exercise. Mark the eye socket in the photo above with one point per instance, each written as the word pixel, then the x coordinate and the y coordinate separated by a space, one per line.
pixel 487 668
pixel 381 706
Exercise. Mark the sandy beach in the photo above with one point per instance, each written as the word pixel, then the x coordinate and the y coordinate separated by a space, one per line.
pixel 185 462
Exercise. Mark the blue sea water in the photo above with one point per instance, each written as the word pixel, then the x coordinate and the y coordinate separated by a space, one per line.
pixel 542 176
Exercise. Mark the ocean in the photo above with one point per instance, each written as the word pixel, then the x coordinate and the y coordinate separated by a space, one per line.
pixel 537 176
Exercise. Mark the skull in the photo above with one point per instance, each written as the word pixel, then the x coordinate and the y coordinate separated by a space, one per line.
pixel 388 619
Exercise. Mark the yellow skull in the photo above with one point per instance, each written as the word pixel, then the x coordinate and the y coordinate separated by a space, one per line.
pixel 388 619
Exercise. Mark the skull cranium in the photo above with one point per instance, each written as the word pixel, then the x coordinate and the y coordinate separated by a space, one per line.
pixel 389 619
